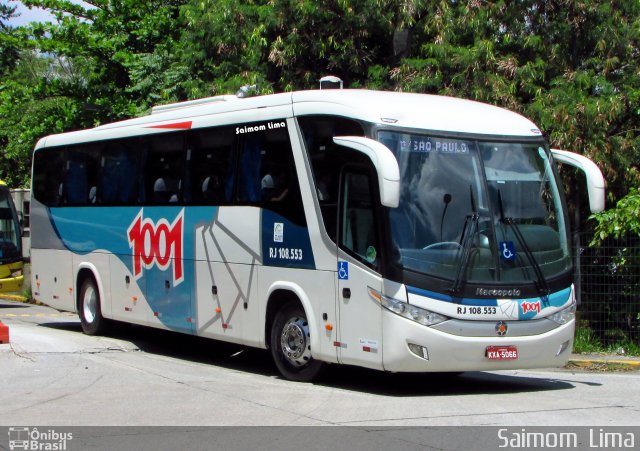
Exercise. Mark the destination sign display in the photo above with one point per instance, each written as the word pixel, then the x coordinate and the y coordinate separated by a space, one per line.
pixel 425 144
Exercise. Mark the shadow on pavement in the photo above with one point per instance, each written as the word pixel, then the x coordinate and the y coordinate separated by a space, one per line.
pixel 258 361
pixel 4 304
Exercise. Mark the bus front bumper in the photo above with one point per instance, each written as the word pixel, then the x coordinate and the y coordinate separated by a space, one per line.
pixel 412 347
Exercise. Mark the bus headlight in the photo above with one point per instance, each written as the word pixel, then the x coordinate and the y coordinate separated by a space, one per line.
pixel 417 314
pixel 564 315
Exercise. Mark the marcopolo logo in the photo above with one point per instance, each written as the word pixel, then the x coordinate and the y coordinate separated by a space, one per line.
pixel 34 439
pixel 157 244
pixel 498 292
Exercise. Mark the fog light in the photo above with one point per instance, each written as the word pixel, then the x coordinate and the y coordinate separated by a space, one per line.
pixel 420 351
pixel 563 347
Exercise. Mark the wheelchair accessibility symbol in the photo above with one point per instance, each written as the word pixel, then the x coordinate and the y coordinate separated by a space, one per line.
pixel 507 250
pixel 343 270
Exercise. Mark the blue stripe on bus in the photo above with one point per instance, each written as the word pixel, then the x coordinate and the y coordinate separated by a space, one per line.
pixel 87 229
pixel 556 299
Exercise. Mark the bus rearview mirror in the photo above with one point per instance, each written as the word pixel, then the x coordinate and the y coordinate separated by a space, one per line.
pixel 383 161
pixel 595 180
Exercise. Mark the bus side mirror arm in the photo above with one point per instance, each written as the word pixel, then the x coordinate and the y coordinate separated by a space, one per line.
pixel 595 180
pixel 383 161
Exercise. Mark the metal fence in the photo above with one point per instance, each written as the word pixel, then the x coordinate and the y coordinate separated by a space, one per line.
pixel 609 290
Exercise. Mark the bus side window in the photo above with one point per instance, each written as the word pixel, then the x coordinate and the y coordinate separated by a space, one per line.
pixel 358 233
pixel 82 168
pixel 250 164
pixel 327 160
pixel 209 153
pixel 77 190
pixel 118 182
pixel 164 168
pixel 267 174
pixel 48 169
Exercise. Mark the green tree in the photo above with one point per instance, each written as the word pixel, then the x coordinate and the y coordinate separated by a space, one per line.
pixel 79 71
pixel 616 222
pixel 108 40
pixel 9 48
pixel 286 44
pixel 571 66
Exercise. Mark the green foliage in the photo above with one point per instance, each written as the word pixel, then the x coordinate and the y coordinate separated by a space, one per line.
pixel 611 290
pixel 586 341
pixel 618 221
pixel 9 44
pixel 571 66
pixel 90 67
pixel 286 44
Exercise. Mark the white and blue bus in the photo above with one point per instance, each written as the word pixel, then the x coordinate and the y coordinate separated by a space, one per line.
pixel 394 231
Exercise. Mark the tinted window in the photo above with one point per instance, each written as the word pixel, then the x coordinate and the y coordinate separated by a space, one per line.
pixel 164 168
pixel 82 169
pixel 266 171
pixel 209 158
pixel 48 176
pixel 358 234
pixel 327 160
pixel 119 183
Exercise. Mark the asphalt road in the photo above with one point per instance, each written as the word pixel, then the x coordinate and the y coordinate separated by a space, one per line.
pixel 52 374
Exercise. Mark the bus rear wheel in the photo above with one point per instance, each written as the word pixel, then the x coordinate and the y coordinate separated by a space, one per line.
pixel 91 319
pixel 291 345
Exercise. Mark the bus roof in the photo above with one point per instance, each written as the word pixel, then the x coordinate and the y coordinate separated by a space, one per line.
pixel 417 111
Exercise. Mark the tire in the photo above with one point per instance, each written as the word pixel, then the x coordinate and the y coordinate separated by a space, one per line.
pixel 291 346
pixel 89 309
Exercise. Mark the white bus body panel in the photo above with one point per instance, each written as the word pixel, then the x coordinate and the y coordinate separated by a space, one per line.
pixel 420 111
pixel 360 333
pixel 52 278
pixel 127 300
pixel 227 254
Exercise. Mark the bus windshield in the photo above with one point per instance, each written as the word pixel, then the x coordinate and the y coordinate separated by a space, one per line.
pixel 10 241
pixel 477 211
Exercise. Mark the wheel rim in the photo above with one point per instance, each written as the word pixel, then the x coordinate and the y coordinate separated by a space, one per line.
pixel 294 342
pixel 89 304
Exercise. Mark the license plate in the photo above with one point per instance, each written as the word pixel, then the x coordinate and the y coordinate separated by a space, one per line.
pixel 501 353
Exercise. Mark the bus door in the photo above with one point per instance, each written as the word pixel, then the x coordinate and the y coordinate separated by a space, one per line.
pixel 360 316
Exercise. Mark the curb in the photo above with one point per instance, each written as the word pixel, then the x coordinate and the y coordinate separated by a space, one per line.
pixel 604 364
pixel 13 297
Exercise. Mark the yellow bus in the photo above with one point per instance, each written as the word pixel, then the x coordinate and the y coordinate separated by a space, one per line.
pixel 11 261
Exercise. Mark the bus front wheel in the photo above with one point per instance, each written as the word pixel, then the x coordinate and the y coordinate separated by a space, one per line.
pixel 91 319
pixel 291 346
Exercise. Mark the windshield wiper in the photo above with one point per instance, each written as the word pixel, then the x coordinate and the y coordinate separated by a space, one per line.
pixel 541 283
pixel 468 231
